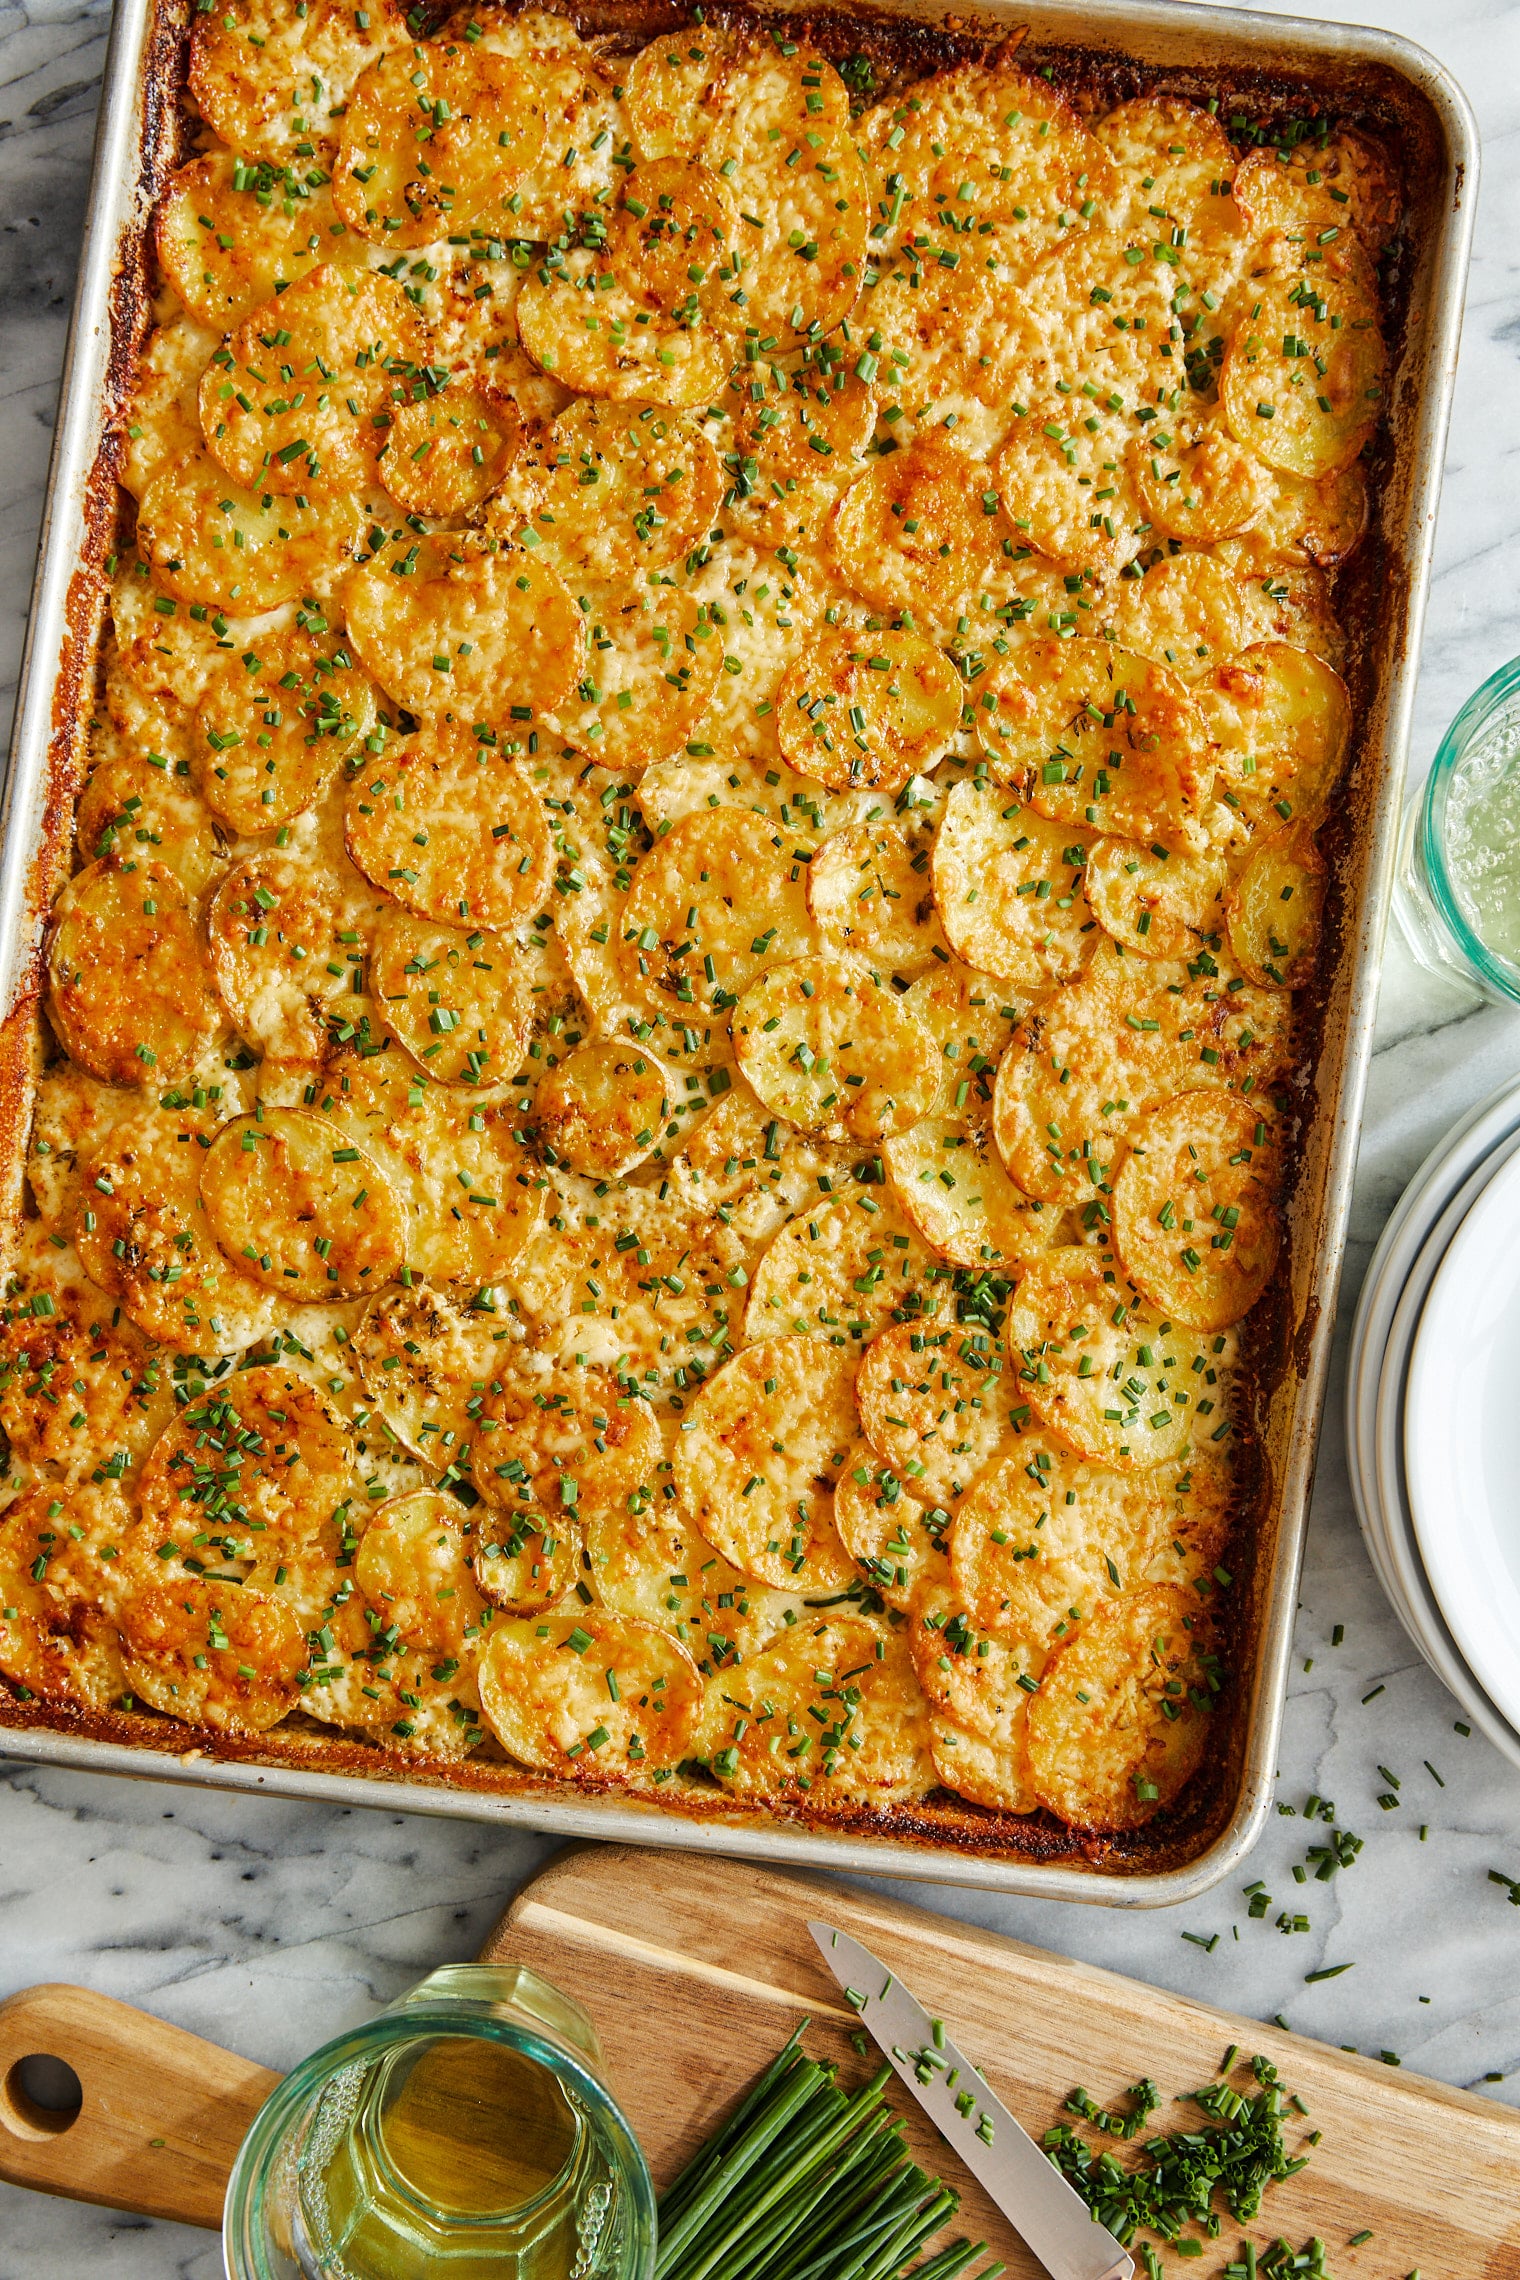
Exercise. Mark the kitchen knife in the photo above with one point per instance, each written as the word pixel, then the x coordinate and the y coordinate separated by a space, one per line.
pixel 1049 2216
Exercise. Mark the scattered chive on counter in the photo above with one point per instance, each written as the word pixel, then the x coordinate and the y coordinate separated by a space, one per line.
pixel 808 2182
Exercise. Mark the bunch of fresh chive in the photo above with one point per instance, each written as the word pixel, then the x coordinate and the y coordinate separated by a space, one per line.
pixel 807 2182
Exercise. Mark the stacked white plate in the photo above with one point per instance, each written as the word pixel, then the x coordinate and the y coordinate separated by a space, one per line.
pixel 1433 1414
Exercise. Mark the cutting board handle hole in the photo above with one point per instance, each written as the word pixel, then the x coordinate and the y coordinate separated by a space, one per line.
pixel 40 2097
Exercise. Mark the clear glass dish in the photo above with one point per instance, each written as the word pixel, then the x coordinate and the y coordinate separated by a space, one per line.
pixel 1457 894
pixel 464 2134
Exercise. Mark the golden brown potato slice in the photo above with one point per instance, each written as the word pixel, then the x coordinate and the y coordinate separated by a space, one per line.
pixel 269 417
pixel 719 891
pixel 831 1712
pixel 1322 187
pixel 601 1110
pixel 427 1362
pixel 458 623
pixel 1009 886
pixel 646 1559
pixel 1196 1221
pixel 896 1540
pixel 1156 902
pixel 846 1267
pixel 930 1412
pixel 1304 377
pixel 590 1696
pixel 138 808
pixel 249 1474
pixel 162 417
pixel 675 85
pixel 209 540
pixel 669 239
pixel 129 989
pixel 920 530
pixel 868 710
pixel 454 829
pixel 413 1566
pixel 1044 1537
pixel 314 1217
pixel 1170 154
pixel 968 1015
pixel 287 943
pixel 213 1654
pixel 233 232
pixel 797 436
pixel 275 724
pixel 1282 720
pixel 950 1182
pixel 462 1004
pixel 1126 1035
pixel 653 660
pixel 74 1392
pixel 871 897
pixel 1121 1720
pixel 831 1047
pixel 612 490
pixel 1091 734
pixel 1107 1372
pixel 72 1657
pixel 995 139
pixel 269 80
pixel 1200 485
pixel 435 137
pixel 1066 482
pixel 950 327
pixel 582 327
pixel 1318 524
pixel 978 1691
pixel 1188 612
pixel 1275 908
pixel 756 1470
pixel 444 455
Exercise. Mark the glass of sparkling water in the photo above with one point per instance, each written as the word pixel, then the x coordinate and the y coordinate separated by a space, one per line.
pixel 464 2134
pixel 1457 895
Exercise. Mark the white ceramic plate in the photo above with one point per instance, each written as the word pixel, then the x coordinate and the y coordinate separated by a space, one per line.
pixel 1462 1438
pixel 1397 1554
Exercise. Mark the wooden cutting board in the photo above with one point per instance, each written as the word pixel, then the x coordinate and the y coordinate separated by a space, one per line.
pixel 695 1972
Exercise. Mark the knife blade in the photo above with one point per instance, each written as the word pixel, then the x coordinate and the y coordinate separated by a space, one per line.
pixel 1047 2213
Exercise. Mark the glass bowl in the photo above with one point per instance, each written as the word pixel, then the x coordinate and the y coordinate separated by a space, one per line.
pixel 1458 858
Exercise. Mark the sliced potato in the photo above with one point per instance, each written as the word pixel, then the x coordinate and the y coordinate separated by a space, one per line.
pixel 951 326
pixel 1009 886
pixel 582 327
pixel 413 1566
pixel 129 990
pixel 871 897
pixel 1304 377
pixel 930 1412
pixel 867 711
pixel 612 489
pixel 949 1180
pixel 314 1217
pixel 1121 1720
pixel 1319 524
pixel 897 1541
pixel 1200 486
pixel 1044 1537
pixel 454 829
pixel 919 530
pixel 1275 908
pixel 213 1654
pixel 841 1271
pixel 1089 733
pixel 444 455
pixel 72 1657
pixel 1188 612
pixel 251 1472
pixel 740 1156
pixel 427 1362
pixel 1170 154
pixel 266 411
pixel 831 1047
pixel 669 238
pixel 1088 1062
pixel 830 1712
pixel 143 1235
pixel 462 1004
pixel 231 235
pixel 301 71
pixel 798 435
pixel 287 947
pixel 766 1441
pixel 167 648
pixel 162 416
pixel 1156 902
pixel 1196 1221
pixel 968 1015
pixel 435 137
pixel 808 180
pixel 275 724
pixel 590 1696
pixel 458 623
pixel 646 1559
pixel 562 1445
pixel 140 810
pixel 674 86
pixel 584 131
pixel 74 1393
pixel 1282 719
pixel 719 888
pixel 653 661
pixel 1001 141
pixel 210 541
pixel 1107 1372
pixel 1066 485
pixel 978 1691
pixel 601 1110
pixel 1320 186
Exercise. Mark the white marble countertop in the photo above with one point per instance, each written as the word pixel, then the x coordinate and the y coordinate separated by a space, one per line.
pixel 269 1926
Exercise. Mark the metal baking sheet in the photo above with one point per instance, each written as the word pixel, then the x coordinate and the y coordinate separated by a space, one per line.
pixel 1200 50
